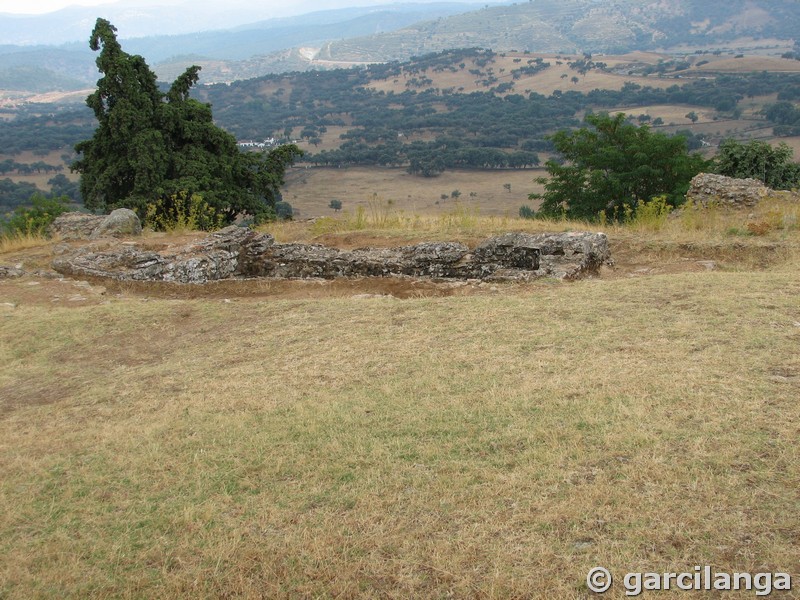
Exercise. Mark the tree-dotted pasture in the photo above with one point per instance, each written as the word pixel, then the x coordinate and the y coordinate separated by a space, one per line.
pixel 310 190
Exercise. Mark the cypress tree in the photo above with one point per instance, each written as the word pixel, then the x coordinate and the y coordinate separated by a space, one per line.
pixel 152 147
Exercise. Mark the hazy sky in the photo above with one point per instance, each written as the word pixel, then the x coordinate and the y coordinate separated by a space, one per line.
pixel 41 6
pixel 138 18
pixel 45 6
pixel 279 6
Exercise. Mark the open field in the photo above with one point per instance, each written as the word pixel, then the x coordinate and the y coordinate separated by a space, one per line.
pixel 310 191
pixel 38 179
pixel 752 63
pixel 556 77
pixel 300 440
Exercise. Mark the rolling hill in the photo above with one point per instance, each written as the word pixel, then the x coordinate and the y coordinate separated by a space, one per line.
pixel 232 48
pixel 349 37
pixel 556 26
pixel 582 26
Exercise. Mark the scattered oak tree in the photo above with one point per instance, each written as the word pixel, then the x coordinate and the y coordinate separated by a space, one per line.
pixel 612 167
pixel 153 146
pixel 758 160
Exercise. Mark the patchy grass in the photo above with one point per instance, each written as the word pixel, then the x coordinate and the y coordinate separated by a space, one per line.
pixel 471 447
pixel 299 441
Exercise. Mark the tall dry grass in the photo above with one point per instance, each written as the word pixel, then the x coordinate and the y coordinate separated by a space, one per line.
pixel 21 241
pixel 776 218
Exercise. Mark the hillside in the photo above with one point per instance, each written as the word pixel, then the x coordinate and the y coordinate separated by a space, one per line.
pixel 549 26
pixel 574 26
pixel 232 48
pixel 509 100
pixel 351 37
pixel 474 121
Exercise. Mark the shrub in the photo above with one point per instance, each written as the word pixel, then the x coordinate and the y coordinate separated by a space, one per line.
pixel 182 212
pixel 758 160
pixel 651 215
pixel 284 211
pixel 35 219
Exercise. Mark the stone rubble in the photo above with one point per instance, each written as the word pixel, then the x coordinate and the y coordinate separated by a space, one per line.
pixel 237 252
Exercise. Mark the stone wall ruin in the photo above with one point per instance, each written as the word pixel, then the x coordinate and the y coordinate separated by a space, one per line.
pixel 237 252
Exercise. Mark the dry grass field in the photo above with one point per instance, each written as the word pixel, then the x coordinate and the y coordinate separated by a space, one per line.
pixel 752 64
pixel 38 179
pixel 300 440
pixel 557 77
pixel 310 191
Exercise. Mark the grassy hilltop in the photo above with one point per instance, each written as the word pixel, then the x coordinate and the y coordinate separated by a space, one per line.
pixel 393 438
pixel 300 439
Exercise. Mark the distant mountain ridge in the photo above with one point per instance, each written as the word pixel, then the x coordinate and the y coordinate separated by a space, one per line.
pixel 327 39
pixel 565 26
pixel 72 64
pixel 612 26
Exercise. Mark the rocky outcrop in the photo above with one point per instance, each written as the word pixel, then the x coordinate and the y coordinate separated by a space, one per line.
pixel 75 226
pixel 240 252
pixel 121 222
pixel 80 226
pixel 568 255
pixel 708 189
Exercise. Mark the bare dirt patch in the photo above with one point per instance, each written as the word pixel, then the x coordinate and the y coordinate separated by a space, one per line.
pixel 50 291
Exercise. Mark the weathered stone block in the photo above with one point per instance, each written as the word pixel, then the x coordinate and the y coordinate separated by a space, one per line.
pixel 710 189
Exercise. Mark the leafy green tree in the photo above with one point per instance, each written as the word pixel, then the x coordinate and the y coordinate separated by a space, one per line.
pixel 151 146
pixel 13 194
pixel 612 167
pixel 61 186
pixel 336 205
pixel 426 165
pixel 758 160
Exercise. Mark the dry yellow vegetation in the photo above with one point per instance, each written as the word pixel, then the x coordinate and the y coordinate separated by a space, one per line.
pixel 310 191
pixel 164 444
